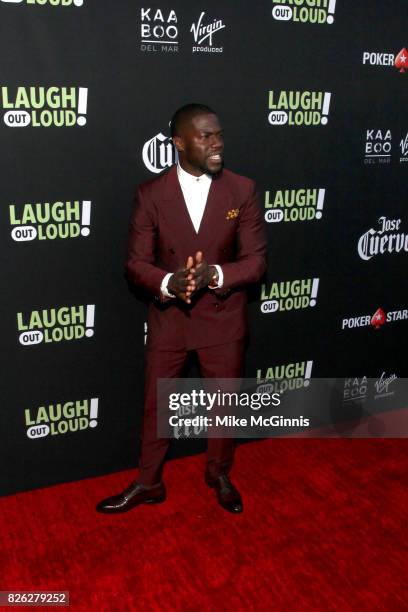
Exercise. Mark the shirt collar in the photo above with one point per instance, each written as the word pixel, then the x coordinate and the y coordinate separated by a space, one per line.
pixel 187 179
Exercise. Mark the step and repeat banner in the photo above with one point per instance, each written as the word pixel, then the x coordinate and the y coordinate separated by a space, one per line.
pixel 313 98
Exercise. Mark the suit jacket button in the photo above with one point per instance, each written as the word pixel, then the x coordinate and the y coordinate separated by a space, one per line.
pixel 172 251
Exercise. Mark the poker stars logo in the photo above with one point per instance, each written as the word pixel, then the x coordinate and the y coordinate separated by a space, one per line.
pixel 50 221
pixel 290 205
pixel 61 418
pixel 304 11
pixel 387 60
pixel 55 3
pixel 204 31
pixel 300 108
pixel 285 296
pixel 159 153
pixel 387 238
pixel 286 377
pixel 158 30
pixel 44 106
pixel 376 320
pixel 56 324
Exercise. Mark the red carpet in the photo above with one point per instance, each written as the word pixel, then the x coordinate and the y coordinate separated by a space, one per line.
pixel 324 528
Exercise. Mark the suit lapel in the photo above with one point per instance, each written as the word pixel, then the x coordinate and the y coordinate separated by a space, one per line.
pixel 177 217
pixel 218 203
pixel 174 207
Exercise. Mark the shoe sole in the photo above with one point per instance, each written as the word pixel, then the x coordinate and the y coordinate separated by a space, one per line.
pixel 153 500
pixel 158 500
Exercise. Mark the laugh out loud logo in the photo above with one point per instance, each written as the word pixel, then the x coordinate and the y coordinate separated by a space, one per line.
pixel 44 106
pixel 301 108
pixel 47 221
pixel 56 324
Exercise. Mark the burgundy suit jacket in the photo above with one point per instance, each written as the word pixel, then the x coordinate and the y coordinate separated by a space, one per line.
pixel 161 238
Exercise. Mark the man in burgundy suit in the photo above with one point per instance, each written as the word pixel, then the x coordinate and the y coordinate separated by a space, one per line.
pixel 196 240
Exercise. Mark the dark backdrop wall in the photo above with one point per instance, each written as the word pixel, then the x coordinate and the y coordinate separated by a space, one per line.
pixel 313 99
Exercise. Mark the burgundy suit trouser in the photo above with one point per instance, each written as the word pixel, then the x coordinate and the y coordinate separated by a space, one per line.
pixel 222 361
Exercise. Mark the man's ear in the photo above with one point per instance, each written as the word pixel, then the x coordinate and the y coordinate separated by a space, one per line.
pixel 178 143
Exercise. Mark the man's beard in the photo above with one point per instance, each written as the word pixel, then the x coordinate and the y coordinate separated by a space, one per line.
pixel 207 170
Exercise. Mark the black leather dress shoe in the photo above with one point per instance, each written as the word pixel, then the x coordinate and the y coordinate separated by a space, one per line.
pixel 134 495
pixel 228 496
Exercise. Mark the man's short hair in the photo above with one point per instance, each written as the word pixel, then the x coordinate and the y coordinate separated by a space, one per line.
pixel 185 114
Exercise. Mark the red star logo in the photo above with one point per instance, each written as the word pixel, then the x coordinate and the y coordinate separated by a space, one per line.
pixel 378 318
pixel 401 61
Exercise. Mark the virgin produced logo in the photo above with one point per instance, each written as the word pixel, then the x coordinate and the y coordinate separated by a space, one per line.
pixel 404 149
pixel 384 386
pixel 203 33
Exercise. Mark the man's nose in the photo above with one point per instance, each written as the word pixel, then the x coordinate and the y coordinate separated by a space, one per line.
pixel 216 142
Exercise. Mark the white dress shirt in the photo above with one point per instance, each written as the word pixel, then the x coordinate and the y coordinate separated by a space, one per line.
pixel 195 191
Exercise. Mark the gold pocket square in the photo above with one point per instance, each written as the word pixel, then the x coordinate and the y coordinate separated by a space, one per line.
pixel 233 213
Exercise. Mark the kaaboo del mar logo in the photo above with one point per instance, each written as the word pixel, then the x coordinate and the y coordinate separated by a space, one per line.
pixel 158 30
pixel 56 324
pixel 48 221
pixel 302 108
pixel 304 11
pixel 378 146
pixel 46 2
pixel 44 106
pixel 355 389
